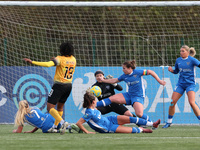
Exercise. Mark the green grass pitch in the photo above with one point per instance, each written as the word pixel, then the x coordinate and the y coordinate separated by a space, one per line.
pixel 173 138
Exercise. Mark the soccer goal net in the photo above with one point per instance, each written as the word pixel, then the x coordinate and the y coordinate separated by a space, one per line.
pixel 104 35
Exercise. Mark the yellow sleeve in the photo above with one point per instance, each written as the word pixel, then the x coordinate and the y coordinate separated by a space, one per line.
pixel 44 64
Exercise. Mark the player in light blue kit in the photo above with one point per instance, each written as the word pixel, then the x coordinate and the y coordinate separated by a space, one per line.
pixel 136 92
pixel 111 124
pixel 185 66
pixel 34 117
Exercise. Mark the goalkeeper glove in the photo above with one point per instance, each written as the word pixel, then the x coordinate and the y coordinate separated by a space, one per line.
pixel 110 77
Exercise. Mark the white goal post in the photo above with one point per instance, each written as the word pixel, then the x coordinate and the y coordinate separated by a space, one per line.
pixel 104 35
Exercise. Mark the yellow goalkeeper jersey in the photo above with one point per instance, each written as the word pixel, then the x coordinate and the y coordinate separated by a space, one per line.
pixel 65 67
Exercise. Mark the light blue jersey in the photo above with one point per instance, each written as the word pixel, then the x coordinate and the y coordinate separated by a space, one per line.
pixel 186 69
pixel 99 123
pixel 135 82
pixel 40 120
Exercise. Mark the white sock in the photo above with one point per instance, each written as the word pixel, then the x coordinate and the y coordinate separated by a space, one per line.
pixel 62 121
pixel 169 120
pixel 149 123
pixel 140 130
pixel 54 126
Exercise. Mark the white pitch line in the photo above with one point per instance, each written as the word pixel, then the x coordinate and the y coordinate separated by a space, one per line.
pixel 154 137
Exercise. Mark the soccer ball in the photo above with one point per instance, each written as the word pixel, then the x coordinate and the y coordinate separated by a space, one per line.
pixel 96 90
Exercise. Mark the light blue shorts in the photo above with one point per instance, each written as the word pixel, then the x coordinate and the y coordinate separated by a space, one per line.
pixel 48 123
pixel 180 88
pixel 113 124
pixel 131 99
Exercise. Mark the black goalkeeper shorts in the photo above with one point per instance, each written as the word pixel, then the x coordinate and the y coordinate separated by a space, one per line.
pixel 117 108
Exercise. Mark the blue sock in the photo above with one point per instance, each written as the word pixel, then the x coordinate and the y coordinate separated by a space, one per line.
pixel 198 117
pixel 135 130
pixel 104 102
pixel 170 117
pixel 146 117
pixel 138 121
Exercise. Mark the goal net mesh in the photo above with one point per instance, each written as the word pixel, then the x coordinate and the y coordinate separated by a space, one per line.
pixel 103 38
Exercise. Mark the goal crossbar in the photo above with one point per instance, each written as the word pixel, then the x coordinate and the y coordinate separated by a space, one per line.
pixel 100 4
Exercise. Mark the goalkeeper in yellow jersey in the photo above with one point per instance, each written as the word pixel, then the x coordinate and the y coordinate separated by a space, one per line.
pixel 65 67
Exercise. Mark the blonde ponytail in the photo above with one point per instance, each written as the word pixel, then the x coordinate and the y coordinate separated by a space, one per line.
pixel 22 111
pixel 192 52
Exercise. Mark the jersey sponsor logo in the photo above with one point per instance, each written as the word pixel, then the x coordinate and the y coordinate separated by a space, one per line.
pixel 185 70
pixel 99 116
pixel 108 87
pixel 132 83
pixel 70 62
pixel 86 115
pixel 135 75
pixel 175 88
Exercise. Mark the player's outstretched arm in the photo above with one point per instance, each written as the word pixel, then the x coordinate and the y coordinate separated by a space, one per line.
pixel 111 81
pixel 32 131
pixel 116 86
pixel 153 74
pixel 80 125
pixel 42 64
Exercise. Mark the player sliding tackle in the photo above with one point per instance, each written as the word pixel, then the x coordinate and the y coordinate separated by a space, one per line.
pixel 36 118
pixel 111 124
pixel 136 93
